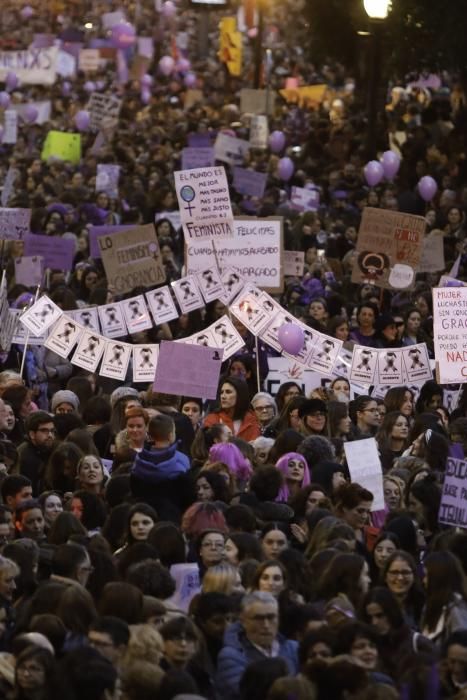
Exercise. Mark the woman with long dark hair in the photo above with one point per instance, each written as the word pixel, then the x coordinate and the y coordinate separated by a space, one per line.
pixel 446 597
pixel 392 438
pixel 234 410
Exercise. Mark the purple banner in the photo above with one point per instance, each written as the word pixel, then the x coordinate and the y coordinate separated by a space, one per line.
pixel 249 182
pixel 58 253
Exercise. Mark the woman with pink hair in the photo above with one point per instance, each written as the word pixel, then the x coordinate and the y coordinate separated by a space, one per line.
pixel 296 473
pixel 238 465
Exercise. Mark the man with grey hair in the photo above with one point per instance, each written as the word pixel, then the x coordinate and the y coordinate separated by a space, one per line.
pixel 264 407
pixel 253 638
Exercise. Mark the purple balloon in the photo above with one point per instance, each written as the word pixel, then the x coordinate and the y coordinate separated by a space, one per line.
pixel 147 80
pixel 145 96
pixel 27 12
pixel 373 172
pixel 11 81
pixel 89 86
pixel 391 164
pixel 427 188
pixel 166 65
pixel 82 120
pixel 30 114
pixel 291 338
pixel 183 65
pixel 169 9
pixel 190 80
pixel 285 168
pixel 277 141
pixel 4 100
pixel 123 35
pixel 100 84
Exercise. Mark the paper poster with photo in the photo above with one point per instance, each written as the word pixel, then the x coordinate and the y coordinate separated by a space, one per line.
pixel 390 369
pixel 417 363
pixel 364 364
pixel 259 131
pixel 89 351
pixel 204 338
pixel 254 101
pixel 162 305
pixel 453 507
pixel 365 468
pixel 233 284
pixel 29 270
pixel 197 158
pixel 115 360
pixel 226 337
pixel 249 312
pixel 343 364
pixel 64 336
pixel 187 294
pixel 324 353
pixel 294 263
pixel 112 320
pixel 8 330
pixel 210 283
pixel 231 150
pixel 107 179
pixel 41 315
pixel 249 182
pixel 389 248
pixel 204 203
pixel 136 314
pixel 145 362
pixel 188 370
pixel 14 223
pixel 309 339
pixel 21 333
pixel 304 199
pixel 88 318
pixel 269 334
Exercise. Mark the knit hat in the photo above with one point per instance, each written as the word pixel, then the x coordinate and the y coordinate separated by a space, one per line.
pixel 65 396
pixel 310 406
pixel 121 393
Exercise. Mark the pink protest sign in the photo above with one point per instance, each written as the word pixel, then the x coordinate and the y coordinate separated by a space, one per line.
pixel 188 370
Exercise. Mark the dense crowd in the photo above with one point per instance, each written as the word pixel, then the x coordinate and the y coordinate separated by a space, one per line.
pixel 160 546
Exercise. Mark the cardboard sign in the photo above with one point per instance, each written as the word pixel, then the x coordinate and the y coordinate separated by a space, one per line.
pixel 204 201
pixel 58 253
pixel 259 131
pixel 63 146
pixel 112 320
pixel 41 315
pixel 29 270
pixel 107 179
pixel 389 248
pixel 231 150
pixel 10 126
pixel 96 231
pixel 33 66
pixel 294 263
pixel 249 182
pixel 14 223
pixel 304 199
pixel 88 60
pixel 103 108
pixel 255 251
pixel 450 333
pixel 308 96
pixel 64 336
pixel 115 360
pixel 255 101
pixel 162 305
pixel 197 158
pixel 188 370
pixel 365 468
pixel 432 257
pixel 145 362
pixel 453 507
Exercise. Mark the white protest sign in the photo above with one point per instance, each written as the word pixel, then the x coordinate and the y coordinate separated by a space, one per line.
pixel 365 468
pixel 136 314
pixel 284 369
pixel 233 283
pixel 103 108
pixel 453 507
pixel 66 64
pixel 33 66
pixel 249 312
pixel 89 351
pixel 304 199
pixel 29 270
pixel 89 60
pixel 324 353
pixel 294 263
pixel 10 126
pixel 115 360
pixel 187 294
pixel 162 305
pixel 259 131
pixel 432 258
pixel 364 363
pixel 144 362
pixel 41 315
pixel 14 223
pixel 255 251
pixel 145 46
pixel 63 336
pixel 204 201
pixel 21 332
pixel 417 363
pixel 210 283
pixel 112 321
pixel 270 333
pixel 9 185
pixel 230 150
pixel 389 368
pixel 450 333
pixel 226 336
pixel 44 110
pixel 88 318
pixel 110 19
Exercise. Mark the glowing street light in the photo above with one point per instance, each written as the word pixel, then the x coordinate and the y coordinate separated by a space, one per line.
pixel 377 9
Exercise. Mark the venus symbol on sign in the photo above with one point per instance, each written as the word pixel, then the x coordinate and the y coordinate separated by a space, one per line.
pixel 187 193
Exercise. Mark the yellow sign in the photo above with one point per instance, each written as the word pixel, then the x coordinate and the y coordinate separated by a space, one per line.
pixel 230 45
pixel 63 146
pixel 306 96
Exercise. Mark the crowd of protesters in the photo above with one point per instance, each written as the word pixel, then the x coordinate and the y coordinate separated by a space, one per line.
pixel 158 546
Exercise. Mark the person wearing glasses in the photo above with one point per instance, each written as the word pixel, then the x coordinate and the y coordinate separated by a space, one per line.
pixel 313 416
pixel 364 412
pixel 253 638
pixel 401 577
pixel 34 452
pixel 265 408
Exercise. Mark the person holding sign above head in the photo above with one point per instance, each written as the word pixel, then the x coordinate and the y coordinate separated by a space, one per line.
pixel 234 410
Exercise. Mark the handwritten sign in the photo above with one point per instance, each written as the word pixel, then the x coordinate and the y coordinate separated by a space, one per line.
pixel 453 507
pixel 450 333
pixel 103 109
pixel 58 253
pixel 63 146
pixel 14 223
pixel 107 179
pixel 197 158
pixel 259 131
pixel 249 182
pixel 96 231
pixel 88 60
pixel 365 468
pixel 10 126
pixel 294 263
pixel 231 150
pixel 304 199
pixel 33 66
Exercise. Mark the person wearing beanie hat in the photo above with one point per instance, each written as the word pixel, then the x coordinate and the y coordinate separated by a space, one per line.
pixel 123 392
pixel 313 415
pixel 64 401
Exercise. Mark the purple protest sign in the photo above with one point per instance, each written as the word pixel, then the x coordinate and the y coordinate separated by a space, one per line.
pixel 199 140
pixel 96 231
pixel 188 370
pixel 107 179
pixel 14 223
pixel 249 182
pixel 58 253
pixel 197 158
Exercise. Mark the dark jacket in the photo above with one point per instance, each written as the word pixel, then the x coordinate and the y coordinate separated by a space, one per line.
pixel 31 463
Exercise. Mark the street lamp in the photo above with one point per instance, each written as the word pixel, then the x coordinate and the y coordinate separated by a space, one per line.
pixel 377 11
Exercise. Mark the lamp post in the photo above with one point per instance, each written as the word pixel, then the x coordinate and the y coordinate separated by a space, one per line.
pixel 377 11
pixel 258 60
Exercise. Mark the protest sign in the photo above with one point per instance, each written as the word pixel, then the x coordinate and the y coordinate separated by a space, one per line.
pixel 145 46
pixel 33 66
pixel 63 336
pixel 249 182
pixel 89 351
pixel 88 60
pixel 110 19
pixel 390 368
pixel 144 362
pixel 197 158
pixel 87 317
pixel 204 201
pixel 62 145
pixel 136 314
pixel 188 370
pixel 255 251
pixel 162 305
pixel 294 263
pixel 192 97
pixel 112 320
pixel 10 126
pixel 115 360
pixel 14 223
pixel 132 258
pixel 107 179
pixel 249 312
pixel 417 364
pixel 96 231
pixel 453 507
pixel 226 336
pixel 304 199
pixel 29 270
pixel 41 315
pixel 285 369
pixel 21 333
pixel 389 247
pixel 324 352
pixel 43 108
pixel 103 108
pixel 364 363
pixel 210 284
pixel 9 185
pixel 450 333
pixel 259 131
pixel 187 293
pixel 58 253
pixel 66 61
pixel 230 150
pixel 307 96
pixel 255 101
pixel 365 468
pixel 432 257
